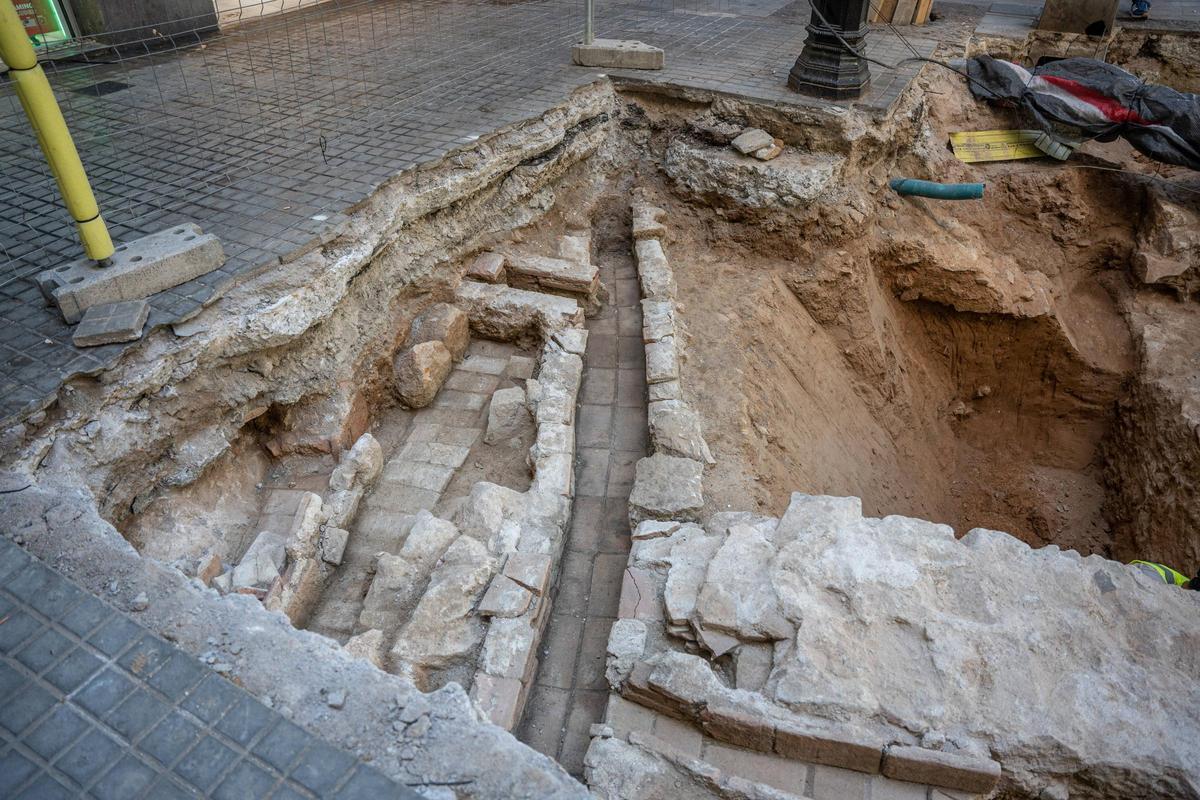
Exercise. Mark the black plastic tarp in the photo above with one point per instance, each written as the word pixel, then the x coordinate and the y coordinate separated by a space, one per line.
pixel 1082 98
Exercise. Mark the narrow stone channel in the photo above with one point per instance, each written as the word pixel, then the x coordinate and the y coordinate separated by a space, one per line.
pixel 570 692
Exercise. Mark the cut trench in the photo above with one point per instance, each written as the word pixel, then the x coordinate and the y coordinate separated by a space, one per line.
pixel 876 372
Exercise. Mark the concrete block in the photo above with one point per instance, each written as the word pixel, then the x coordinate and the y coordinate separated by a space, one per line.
pixel 111 322
pixel 139 269
pixel 625 716
pixel 618 54
pixel 951 770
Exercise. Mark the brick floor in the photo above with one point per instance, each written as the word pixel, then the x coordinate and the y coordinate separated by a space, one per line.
pixel 570 691
pixel 92 703
pixel 269 133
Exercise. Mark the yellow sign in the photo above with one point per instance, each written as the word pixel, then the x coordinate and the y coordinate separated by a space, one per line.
pixel 975 146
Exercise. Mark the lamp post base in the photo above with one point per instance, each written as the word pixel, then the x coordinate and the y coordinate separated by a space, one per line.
pixel 827 67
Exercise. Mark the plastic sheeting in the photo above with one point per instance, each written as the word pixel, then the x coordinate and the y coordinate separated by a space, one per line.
pixel 1082 98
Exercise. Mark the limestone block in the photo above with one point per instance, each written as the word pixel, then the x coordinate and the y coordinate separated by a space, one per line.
pixel 662 362
pixel 665 391
pixel 261 564
pixel 483 513
pixel 531 271
pixel 297 594
pixel 509 420
pixel 505 598
pixel 963 772
pixel 508 649
pixel 362 463
pixel 487 267
pixel 738 596
pixel 444 323
pixel 553 438
pixel 305 532
pixel 500 699
pixel 688 561
pixel 444 629
pixel 654 273
pixel 368 646
pixel 399 579
pixel 846 751
pixel 332 544
pixel 554 475
pixel 736 726
pixel 751 140
pixel 531 570
pixel 572 340
pixel 752 665
pixel 420 372
pixel 647 222
pixel 342 506
pixel 675 431
pixel 639 595
pixel 666 487
pixel 791 181
pixel 626 645
pixel 576 247
pixel 658 319
pixel 507 314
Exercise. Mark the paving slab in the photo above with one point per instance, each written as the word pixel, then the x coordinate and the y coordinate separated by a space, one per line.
pixel 91 703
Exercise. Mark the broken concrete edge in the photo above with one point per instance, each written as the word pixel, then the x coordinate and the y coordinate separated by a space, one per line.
pixel 288 667
pixel 718 719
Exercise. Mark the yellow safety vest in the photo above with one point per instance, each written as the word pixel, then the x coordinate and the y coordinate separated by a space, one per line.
pixel 1166 573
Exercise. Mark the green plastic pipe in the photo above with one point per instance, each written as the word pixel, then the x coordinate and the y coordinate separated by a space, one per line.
pixel 937 191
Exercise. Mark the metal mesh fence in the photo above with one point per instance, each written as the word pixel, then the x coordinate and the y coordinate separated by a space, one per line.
pixel 267 131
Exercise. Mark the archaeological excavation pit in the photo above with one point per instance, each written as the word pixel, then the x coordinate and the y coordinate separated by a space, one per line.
pixel 794 369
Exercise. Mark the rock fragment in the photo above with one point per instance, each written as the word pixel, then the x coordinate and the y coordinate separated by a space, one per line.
pixel 420 372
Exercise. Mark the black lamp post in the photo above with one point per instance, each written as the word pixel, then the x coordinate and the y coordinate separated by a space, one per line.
pixel 826 67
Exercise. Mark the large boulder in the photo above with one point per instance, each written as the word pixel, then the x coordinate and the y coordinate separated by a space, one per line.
pixel 420 372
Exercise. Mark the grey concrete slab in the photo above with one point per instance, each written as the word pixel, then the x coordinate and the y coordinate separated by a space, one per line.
pixel 111 322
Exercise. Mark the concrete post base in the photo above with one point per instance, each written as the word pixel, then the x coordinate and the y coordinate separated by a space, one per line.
pixel 139 269
pixel 618 54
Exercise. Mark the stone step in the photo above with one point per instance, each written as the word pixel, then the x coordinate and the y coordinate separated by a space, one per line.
pixel 560 274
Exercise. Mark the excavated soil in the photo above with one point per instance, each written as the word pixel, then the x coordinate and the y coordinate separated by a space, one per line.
pixel 959 362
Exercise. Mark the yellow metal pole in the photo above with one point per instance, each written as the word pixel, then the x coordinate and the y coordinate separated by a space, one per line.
pixel 37 98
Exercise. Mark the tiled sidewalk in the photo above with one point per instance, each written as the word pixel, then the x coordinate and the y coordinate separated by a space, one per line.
pixel 570 691
pixel 266 136
pixel 93 705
